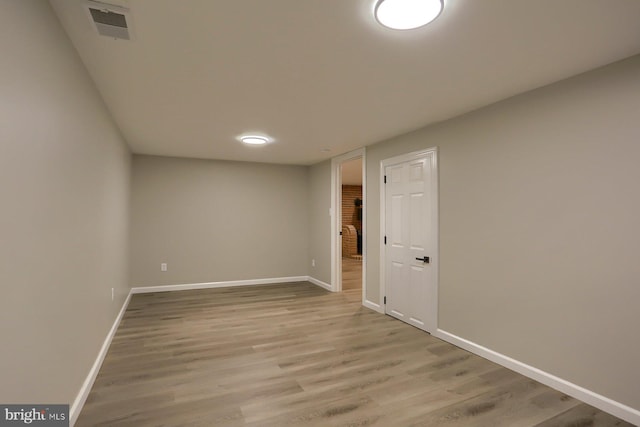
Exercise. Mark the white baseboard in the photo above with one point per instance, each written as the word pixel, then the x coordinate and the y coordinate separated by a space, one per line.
pixel 211 285
pixel 594 399
pixel 78 403
pixel 373 306
pixel 320 283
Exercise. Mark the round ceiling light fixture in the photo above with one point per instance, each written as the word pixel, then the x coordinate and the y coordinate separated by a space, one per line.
pixel 407 14
pixel 254 139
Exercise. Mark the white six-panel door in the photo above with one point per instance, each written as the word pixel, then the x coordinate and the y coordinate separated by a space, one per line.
pixel 410 227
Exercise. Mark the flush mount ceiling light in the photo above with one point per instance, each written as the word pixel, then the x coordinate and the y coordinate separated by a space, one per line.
pixel 254 139
pixel 407 14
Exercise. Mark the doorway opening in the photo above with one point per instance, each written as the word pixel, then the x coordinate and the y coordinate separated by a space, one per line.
pixel 351 224
pixel 348 224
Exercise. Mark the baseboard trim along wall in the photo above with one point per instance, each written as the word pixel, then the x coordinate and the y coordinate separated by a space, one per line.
pixel 594 399
pixel 211 285
pixel 373 306
pixel 320 283
pixel 81 398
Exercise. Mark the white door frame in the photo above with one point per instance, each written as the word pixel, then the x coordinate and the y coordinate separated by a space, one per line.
pixel 336 218
pixel 432 321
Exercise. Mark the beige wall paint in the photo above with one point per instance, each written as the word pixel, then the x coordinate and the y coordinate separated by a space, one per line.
pixel 539 231
pixel 319 202
pixel 64 183
pixel 217 221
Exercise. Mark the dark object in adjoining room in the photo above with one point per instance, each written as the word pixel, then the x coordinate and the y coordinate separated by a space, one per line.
pixel 358 203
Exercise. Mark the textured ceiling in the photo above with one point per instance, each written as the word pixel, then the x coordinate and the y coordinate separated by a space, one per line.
pixel 322 74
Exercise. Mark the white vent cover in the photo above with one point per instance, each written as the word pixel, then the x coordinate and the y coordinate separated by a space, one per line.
pixel 110 20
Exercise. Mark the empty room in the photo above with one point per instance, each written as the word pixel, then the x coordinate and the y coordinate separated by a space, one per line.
pixel 320 213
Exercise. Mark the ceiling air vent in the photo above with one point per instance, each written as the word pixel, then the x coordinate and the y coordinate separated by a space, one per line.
pixel 110 20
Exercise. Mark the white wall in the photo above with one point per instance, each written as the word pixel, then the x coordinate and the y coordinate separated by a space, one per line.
pixel 539 227
pixel 64 193
pixel 216 221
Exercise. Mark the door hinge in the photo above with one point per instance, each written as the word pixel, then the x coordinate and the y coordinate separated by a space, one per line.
pixel 385 179
pixel 385 240
pixel 341 233
pixel 385 300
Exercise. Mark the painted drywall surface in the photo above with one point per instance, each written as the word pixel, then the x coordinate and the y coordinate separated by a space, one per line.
pixel 64 188
pixel 216 221
pixel 320 221
pixel 539 231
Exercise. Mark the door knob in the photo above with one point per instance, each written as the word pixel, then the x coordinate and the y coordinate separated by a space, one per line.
pixel 423 259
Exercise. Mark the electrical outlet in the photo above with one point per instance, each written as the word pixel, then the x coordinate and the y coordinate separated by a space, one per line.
pixel 163 266
pixel 313 263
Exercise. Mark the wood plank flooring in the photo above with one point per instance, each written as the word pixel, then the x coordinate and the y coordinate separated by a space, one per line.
pixel 297 355
pixel 351 274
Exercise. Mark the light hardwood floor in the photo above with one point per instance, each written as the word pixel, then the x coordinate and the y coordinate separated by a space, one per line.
pixel 297 355
pixel 351 274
